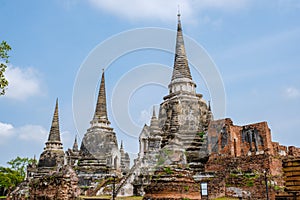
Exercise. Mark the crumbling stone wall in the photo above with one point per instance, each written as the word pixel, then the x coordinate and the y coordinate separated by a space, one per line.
pixel 244 176
pixel 239 155
pixel 279 149
pixel 294 151
pixel 60 185
pixel 225 138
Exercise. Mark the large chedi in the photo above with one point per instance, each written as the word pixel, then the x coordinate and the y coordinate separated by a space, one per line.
pixel 184 116
pixel 99 154
pixel 178 136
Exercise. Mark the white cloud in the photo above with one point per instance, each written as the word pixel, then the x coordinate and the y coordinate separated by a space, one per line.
pixel 25 133
pixel 32 133
pixel 164 10
pixel 6 130
pixel 23 83
pixel 292 93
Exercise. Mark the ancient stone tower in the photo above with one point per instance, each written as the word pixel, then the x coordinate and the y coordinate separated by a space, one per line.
pixel 184 115
pixel 52 158
pixel 99 153
pixel 178 135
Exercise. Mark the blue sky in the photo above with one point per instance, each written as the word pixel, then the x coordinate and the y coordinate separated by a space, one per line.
pixel 254 44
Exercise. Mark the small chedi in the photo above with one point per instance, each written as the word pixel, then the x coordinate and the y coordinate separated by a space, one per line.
pixel 182 149
pixel 51 178
pixel 53 154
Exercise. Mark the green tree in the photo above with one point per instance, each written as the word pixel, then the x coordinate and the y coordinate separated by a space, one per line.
pixel 9 179
pixel 4 49
pixel 12 176
pixel 19 164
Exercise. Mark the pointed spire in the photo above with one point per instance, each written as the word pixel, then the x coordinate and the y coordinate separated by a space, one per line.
pixel 34 162
pixel 154 124
pixel 54 142
pixel 181 68
pixel 100 115
pixel 75 145
pixel 154 120
pixel 121 144
pixel 181 81
pixel 210 116
pixel 153 112
pixel 54 134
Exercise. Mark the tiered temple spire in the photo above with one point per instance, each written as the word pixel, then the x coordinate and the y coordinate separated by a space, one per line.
pixel 154 120
pixel 100 116
pixel 54 141
pixel 54 134
pixel 53 154
pixel 181 68
pixel 121 145
pixel 181 78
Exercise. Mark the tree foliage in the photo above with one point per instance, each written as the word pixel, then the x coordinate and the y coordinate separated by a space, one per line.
pixel 4 49
pixel 12 176
pixel 19 164
pixel 9 178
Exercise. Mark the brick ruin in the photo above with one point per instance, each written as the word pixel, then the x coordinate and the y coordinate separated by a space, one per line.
pixel 225 138
pixel 242 158
pixel 62 184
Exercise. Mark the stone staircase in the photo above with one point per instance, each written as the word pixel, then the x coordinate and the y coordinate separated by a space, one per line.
pixel 94 191
pixel 127 177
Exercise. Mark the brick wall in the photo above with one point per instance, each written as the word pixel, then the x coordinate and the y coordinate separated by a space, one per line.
pixel 225 138
pixel 244 176
pixel 293 151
